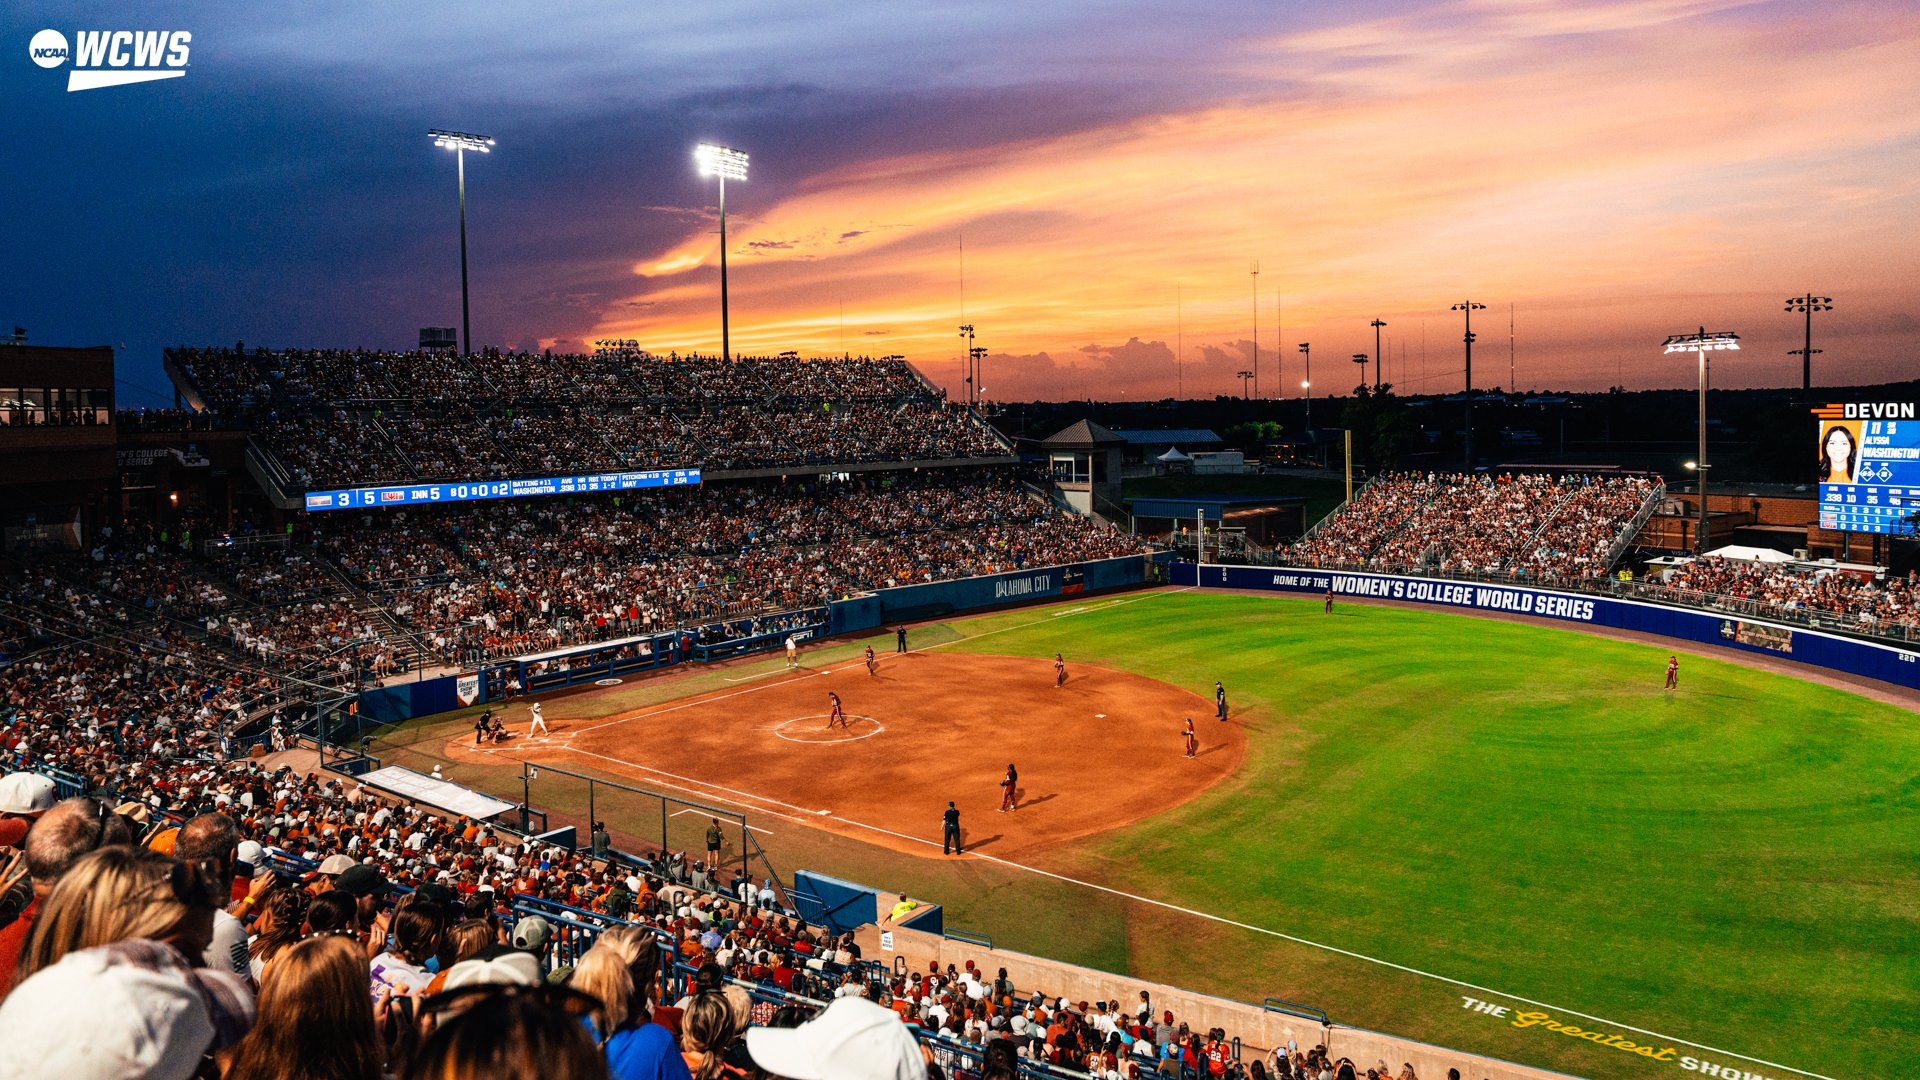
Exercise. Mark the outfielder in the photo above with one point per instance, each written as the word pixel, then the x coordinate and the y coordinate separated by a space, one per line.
pixel 1673 672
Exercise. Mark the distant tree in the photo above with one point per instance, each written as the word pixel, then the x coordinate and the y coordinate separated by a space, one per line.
pixel 1253 436
pixel 1381 428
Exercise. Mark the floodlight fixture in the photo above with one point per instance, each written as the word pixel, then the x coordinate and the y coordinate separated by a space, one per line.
pixel 1807 304
pixel 460 142
pixel 1466 308
pixel 1700 343
pixel 722 161
pixel 727 164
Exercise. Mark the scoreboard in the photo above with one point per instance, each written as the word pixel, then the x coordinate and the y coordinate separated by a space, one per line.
pixel 1869 467
pixel 471 490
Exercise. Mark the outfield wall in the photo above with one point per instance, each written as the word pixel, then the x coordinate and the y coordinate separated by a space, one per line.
pixel 1851 656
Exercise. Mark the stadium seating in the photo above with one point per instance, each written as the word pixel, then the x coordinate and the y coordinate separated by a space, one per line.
pixel 338 418
pixel 1532 526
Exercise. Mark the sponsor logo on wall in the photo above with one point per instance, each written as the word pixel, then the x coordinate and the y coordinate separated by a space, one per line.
pixel 1542 1021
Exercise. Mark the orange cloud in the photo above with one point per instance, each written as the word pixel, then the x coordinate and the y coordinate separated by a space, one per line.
pixel 1696 155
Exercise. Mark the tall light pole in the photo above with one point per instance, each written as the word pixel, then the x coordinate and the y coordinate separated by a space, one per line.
pixel 1701 344
pixel 966 331
pixel 1361 359
pixel 1807 304
pixel 979 354
pixel 727 164
pixel 1377 324
pixel 1243 376
pixel 1256 331
pixel 1468 307
pixel 460 142
pixel 1306 384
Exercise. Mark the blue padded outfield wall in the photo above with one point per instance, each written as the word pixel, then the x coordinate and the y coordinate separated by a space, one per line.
pixel 1853 656
pixel 912 603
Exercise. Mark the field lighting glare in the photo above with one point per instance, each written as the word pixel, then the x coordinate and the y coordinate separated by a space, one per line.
pixel 460 140
pixel 721 161
pixel 1702 342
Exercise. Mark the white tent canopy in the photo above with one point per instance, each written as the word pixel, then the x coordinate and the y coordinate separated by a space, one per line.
pixel 1751 554
pixel 435 793
pixel 1172 455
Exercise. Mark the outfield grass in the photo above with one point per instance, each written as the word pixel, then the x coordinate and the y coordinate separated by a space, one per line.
pixel 1524 808
pixel 1508 804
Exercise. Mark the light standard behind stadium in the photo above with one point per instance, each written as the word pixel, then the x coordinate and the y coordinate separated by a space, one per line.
pixel 1306 384
pixel 1807 304
pixel 1243 376
pixel 727 164
pixel 460 142
pixel 966 331
pixel 1468 307
pixel 1361 359
pixel 1701 344
pixel 1377 324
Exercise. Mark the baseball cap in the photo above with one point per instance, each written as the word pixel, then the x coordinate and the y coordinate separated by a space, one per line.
pixel 361 880
pixel 335 864
pixel 26 793
pixel 251 853
pixel 132 1008
pixel 854 1039
pixel 532 932
pixel 494 967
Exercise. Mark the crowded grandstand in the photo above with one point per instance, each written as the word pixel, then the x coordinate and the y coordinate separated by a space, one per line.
pixel 153 673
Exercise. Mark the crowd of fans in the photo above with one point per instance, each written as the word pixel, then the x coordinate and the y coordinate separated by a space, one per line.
pixel 1528 525
pixel 195 917
pixel 1799 591
pixel 335 418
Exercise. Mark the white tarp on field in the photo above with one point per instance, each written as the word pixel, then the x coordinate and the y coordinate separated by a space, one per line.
pixel 435 793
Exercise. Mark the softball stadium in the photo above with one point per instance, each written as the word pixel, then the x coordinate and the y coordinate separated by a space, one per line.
pixel 1474 775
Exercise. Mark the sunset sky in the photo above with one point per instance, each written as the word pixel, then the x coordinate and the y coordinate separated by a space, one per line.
pixel 1613 171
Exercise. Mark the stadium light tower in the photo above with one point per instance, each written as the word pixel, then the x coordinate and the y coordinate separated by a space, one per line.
pixel 460 142
pixel 727 164
pixel 1361 359
pixel 966 331
pixel 1377 324
pixel 1700 345
pixel 1306 384
pixel 1467 308
pixel 1256 330
pixel 1243 376
pixel 1807 304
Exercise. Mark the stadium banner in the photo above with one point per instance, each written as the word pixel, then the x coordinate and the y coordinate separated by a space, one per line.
pixel 369 498
pixel 1853 656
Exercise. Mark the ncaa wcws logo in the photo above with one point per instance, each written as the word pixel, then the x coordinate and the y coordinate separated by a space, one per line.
pixel 113 57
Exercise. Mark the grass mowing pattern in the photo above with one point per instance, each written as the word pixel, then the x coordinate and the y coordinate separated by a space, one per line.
pixel 1524 808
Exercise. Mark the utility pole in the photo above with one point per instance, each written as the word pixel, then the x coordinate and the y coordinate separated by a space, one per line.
pixel 1468 307
pixel 1256 328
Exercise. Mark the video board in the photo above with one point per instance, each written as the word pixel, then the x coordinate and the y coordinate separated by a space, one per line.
pixel 398 495
pixel 1868 467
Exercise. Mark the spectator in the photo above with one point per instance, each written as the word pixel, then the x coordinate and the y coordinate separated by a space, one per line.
pixel 635 1048
pixel 62 835
pixel 120 893
pixel 210 840
pixel 315 1020
pixel 853 1039
pixel 521 1031
pixel 707 1032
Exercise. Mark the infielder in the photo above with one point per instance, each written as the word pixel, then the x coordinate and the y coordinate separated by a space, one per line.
pixel 873 666
pixel 1059 672
pixel 836 716
pixel 1008 787
pixel 1193 740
